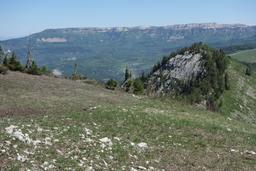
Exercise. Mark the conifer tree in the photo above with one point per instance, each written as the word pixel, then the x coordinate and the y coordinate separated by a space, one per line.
pixel 34 69
pixel 14 64
pixel 127 74
pixel 5 61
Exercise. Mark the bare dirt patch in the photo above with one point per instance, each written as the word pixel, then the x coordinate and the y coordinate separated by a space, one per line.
pixel 20 112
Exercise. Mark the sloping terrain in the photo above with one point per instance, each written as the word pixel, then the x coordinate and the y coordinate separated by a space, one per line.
pixel 240 101
pixel 23 93
pixel 247 56
pixel 81 126
pixel 103 53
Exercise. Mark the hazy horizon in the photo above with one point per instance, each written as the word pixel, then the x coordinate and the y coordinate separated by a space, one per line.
pixel 19 36
pixel 22 18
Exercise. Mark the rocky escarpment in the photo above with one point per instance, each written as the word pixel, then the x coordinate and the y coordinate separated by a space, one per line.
pixel 181 69
pixel 197 73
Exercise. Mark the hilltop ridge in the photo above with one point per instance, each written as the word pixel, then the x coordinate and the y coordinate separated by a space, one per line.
pixel 175 26
pixel 197 72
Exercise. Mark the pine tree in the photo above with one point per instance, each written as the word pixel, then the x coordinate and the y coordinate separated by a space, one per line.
pixel 138 86
pixel 248 71
pixel 5 61
pixel 29 60
pixel 127 74
pixel 14 64
pixel 143 77
pixel 34 69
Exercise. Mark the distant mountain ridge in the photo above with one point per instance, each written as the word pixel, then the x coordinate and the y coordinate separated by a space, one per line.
pixel 176 26
pixel 103 53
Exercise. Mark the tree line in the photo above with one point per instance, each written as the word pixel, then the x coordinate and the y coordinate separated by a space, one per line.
pixel 129 84
pixel 9 61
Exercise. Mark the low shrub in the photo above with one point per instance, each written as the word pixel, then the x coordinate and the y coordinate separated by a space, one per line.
pixel 111 84
pixel 3 70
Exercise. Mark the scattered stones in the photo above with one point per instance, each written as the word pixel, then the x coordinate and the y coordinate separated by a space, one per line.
pixel 13 131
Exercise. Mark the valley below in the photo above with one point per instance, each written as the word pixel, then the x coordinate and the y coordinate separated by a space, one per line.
pixel 104 53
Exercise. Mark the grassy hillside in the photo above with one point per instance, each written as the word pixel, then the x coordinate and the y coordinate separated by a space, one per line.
pixel 64 125
pixel 243 85
pixel 247 56
pixel 240 101
pixel 21 93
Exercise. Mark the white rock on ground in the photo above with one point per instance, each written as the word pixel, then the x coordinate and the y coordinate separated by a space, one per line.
pixel 116 138
pixel 250 152
pixel 106 142
pixel 13 131
pixel 87 131
pixel 142 145
pixel 21 158
pixel 132 144
pixel 142 168
pixel 233 150
pixel 47 141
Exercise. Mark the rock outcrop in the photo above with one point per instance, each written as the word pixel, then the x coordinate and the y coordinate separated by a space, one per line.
pixel 179 69
pixel 197 72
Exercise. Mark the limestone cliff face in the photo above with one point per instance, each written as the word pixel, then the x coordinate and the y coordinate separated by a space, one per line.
pixel 196 73
pixel 175 73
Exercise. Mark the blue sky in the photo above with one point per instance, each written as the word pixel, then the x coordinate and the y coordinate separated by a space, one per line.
pixel 23 17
